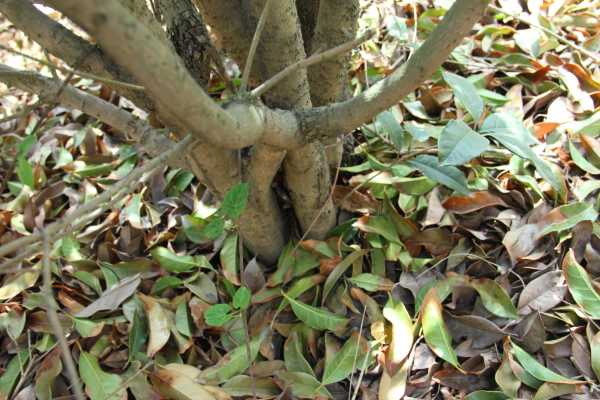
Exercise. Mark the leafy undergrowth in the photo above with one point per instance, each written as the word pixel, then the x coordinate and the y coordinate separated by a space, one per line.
pixel 464 262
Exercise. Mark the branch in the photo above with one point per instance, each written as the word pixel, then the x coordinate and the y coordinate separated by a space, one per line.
pixel 337 23
pixel 69 47
pixel 126 184
pixel 162 73
pixel 189 37
pixel 225 19
pixel 346 116
pixel 312 60
pixel 150 139
pixel 254 45
pixel 55 322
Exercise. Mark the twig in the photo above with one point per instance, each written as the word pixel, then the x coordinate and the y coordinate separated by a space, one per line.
pixel 262 21
pixel 124 184
pixel 55 322
pixel 312 60
pixel 559 37
pixel 74 71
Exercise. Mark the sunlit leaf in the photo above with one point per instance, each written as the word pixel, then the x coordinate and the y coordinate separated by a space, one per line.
pixel 434 328
pixel 466 93
pixel 580 285
pixel 458 144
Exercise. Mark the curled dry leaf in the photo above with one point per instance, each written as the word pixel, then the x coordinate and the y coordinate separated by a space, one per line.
pixel 473 202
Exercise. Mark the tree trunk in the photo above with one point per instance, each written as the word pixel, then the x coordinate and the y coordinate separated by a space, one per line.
pixel 245 140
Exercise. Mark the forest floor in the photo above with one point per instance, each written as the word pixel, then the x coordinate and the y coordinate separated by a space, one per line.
pixel 464 264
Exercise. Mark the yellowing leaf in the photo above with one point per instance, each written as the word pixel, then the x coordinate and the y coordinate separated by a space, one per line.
pixel 580 285
pixel 158 321
pixel 176 382
pixel 434 329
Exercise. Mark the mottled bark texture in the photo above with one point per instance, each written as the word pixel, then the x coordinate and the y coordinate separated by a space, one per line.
pixel 288 129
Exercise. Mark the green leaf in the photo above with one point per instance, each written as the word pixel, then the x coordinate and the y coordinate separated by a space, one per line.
pixel 293 356
pixel 25 172
pixel 99 384
pixel 448 176
pixel 486 395
pixel 230 260
pixel 133 211
pixel 303 385
pixel 242 297
pixel 580 160
pixel 88 328
pixel 316 318
pixel 434 329
pixel 458 144
pixel 572 214
pixel 11 373
pixel 580 286
pixel 512 134
pixel 352 356
pixel 165 282
pixel 182 320
pixel 234 362
pixel 379 225
pixel 537 370
pixel 175 263
pixel 466 93
pixel 245 386
pixel 494 298
pixel 235 201
pixel 371 282
pixel 218 314
pixel 300 286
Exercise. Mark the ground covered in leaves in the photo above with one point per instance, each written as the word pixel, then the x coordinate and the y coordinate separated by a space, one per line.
pixel 464 263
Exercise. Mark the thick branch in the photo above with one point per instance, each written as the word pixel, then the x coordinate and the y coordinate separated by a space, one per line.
pixel 337 23
pixel 162 73
pixel 226 19
pixel 347 115
pixel 69 47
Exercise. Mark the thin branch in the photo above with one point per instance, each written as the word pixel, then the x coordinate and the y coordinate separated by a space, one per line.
pixel 312 60
pixel 321 122
pixel 126 184
pixel 71 48
pixel 55 322
pixel 560 38
pixel 262 21
pixel 152 141
pixel 65 70
pixel 162 72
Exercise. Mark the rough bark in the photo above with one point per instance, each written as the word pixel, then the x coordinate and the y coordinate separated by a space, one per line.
pixel 229 29
pixel 337 23
pixel 306 172
pixel 189 36
pixel 242 124
pixel 307 12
